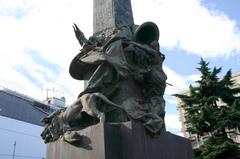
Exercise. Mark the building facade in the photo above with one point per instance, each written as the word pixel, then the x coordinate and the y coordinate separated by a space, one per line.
pixel 198 140
pixel 21 126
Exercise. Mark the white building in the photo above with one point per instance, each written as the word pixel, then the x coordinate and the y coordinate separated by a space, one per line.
pixel 20 126
pixel 197 141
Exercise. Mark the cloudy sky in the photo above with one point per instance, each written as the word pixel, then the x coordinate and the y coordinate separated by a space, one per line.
pixel 38 43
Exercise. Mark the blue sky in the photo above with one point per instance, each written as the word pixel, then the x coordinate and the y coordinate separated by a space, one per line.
pixel 38 43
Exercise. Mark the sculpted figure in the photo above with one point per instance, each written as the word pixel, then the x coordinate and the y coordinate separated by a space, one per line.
pixel 123 69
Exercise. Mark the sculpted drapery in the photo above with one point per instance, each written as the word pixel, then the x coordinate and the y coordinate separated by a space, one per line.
pixel 125 82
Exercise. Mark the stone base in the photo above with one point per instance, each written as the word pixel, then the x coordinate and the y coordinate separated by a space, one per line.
pixel 121 141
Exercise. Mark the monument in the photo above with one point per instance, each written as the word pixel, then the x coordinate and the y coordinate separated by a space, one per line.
pixel 120 114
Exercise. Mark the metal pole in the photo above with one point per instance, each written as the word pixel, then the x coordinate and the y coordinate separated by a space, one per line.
pixel 14 148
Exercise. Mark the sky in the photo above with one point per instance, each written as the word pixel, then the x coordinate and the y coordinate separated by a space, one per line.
pixel 38 43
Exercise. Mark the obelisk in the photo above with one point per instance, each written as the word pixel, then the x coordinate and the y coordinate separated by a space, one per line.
pixel 111 13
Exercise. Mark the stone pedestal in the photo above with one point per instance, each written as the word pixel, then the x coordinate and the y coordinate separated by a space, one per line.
pixel 121 141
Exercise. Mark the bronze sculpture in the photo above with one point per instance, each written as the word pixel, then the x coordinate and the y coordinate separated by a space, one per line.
pixel 123 67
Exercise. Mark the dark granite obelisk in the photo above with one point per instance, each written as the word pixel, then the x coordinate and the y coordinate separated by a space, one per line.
pixel 111 13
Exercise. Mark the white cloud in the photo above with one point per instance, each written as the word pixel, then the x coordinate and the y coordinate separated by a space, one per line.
pixel 45 26
pixel 16 81
pixel 194 77
pixel 178 82
pixel 189 26
pixel 15 8
pixel 172 121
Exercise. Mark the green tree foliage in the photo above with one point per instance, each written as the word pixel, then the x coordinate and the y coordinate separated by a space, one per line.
pixel 213 107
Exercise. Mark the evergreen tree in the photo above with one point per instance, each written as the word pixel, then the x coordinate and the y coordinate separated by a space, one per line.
pixel 213 107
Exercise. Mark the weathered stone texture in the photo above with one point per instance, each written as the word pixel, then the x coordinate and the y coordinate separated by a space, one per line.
pixel 111 13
